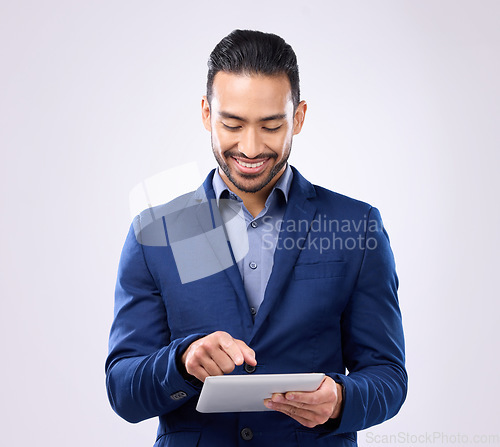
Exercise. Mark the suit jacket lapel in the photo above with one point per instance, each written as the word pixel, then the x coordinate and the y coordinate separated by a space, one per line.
pixel 206 192
pixel 296 224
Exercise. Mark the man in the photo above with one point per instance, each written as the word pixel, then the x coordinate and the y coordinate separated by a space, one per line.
pixel 257 272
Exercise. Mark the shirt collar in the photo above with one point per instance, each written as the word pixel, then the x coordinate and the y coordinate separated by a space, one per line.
pixel 283 184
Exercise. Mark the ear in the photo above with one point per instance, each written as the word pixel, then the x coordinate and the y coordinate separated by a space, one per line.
pixel 205 113
pixel 300 115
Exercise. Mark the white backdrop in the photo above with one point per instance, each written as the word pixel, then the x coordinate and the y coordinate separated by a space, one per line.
pixel 97 96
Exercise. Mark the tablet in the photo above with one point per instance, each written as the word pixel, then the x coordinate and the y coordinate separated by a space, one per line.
pixel 238 393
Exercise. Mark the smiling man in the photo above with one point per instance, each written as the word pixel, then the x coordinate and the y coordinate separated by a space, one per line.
pixel 253 273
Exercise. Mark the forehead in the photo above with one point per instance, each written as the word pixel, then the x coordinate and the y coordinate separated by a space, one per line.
pixel 253 94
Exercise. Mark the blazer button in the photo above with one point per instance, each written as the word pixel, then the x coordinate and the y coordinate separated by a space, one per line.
pixel 178 395
pixel 246 434
pixel 249 368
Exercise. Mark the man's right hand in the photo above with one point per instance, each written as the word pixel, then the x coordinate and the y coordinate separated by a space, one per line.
pixel 215 355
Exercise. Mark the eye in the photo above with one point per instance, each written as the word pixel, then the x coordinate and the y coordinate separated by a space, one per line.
pixel 230 127
pixel 271 129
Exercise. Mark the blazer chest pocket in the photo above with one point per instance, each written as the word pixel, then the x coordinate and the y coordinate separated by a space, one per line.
pixel 320 270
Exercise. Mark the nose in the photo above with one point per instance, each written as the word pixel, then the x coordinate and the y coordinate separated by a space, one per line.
pixel 250 144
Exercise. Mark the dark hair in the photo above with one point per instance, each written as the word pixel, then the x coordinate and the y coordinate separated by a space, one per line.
pixel 254 52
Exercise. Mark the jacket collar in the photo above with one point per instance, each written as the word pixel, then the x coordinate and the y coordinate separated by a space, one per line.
pixel 299 187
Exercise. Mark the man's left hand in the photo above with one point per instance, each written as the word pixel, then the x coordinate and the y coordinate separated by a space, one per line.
pixel 310 408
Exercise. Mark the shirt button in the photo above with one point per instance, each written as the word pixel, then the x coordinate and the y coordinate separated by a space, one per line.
pixel 252 265
pixel 249 368
pixel 254 224
pixel 253 311
pixel 246 434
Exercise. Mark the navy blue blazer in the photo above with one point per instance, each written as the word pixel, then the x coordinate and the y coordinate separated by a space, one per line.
pixel 330 306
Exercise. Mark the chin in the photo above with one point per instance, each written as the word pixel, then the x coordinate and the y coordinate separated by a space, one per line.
pixel 243 183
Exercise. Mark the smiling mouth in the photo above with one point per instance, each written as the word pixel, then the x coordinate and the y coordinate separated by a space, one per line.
pixel 249 165
pixel 252 167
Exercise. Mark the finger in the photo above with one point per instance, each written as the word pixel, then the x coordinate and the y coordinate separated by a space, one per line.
pixel 304 416
pixel 223 361
pixel 305 422
pixel 202 366
pixel 199 361
pixel 281 399
pixel 231 348
pixel 315 412
pixel 248 353
pixel 212 368
pixel 199 372
pixel 300 398
pixel 325 393
pixel 294 412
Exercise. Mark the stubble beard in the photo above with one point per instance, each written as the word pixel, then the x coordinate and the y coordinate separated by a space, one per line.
pixel 274 171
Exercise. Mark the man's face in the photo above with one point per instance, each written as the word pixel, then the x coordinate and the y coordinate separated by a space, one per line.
pixel 252 121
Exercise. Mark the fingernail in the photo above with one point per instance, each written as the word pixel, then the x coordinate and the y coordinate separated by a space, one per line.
pixel 290 396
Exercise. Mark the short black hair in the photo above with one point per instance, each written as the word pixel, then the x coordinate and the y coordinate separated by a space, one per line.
pixel 254 52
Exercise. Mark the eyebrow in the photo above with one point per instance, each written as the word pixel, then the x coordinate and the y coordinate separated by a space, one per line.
pixel 278 116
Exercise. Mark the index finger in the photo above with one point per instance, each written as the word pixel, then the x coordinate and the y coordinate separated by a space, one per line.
pixel 248 352
pixel 230 347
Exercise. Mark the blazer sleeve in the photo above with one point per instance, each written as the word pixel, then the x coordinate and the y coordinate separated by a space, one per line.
pixel 142 378
pixel 372 338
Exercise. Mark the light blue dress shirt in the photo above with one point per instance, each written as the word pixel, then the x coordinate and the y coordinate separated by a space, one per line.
pixel 262 233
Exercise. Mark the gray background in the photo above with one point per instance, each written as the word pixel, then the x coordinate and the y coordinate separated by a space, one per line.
pixel 97 96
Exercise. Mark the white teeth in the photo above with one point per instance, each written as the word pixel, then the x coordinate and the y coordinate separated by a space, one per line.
pixel 250 165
